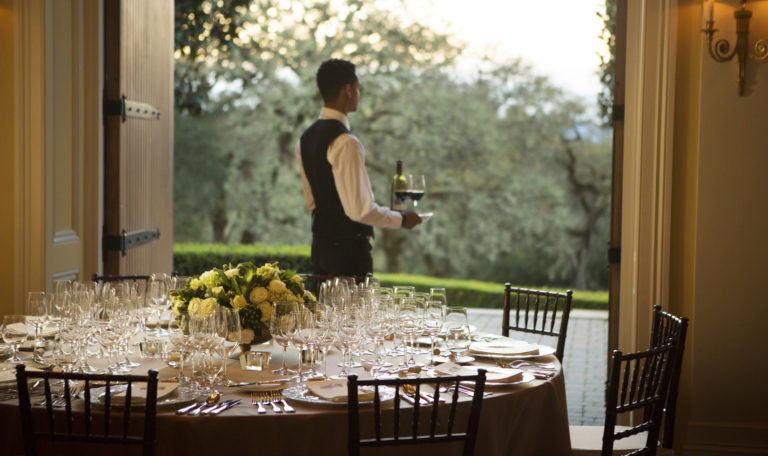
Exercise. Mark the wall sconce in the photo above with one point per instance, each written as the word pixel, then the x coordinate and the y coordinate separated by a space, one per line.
pixel 721 50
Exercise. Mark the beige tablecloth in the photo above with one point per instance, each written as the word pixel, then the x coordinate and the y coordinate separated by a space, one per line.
pixel 527 419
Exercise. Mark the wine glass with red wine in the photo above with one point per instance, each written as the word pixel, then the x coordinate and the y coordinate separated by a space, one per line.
pixel 416 185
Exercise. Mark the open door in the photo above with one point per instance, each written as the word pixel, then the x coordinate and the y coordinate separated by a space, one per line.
pixel 614 247
pixel 138 133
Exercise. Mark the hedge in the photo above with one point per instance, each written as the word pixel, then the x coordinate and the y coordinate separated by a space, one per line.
pixel 192 259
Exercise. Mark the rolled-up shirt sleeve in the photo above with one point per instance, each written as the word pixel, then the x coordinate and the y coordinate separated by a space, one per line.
pixel 347 157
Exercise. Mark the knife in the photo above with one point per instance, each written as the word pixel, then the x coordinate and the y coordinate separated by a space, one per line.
pixel 228 406
pixel 213 408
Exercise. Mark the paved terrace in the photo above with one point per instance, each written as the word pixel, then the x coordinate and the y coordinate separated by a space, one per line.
pixel 584 359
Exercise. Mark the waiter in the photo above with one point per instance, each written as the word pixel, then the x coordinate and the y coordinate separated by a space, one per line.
pixel 335 182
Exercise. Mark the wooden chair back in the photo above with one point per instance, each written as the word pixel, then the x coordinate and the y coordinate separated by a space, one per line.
pixel 537 312
pixel 669 328
pixel 417 434
pixel 77 426
pixel 638 381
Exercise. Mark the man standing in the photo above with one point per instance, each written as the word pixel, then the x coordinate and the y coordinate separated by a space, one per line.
pixel 335 182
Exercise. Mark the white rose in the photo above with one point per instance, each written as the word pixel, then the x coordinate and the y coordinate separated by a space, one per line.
pixel 296 279
pixel 217 290
pixel 266 312
pixel 231 272
pixel 258 295
pixel 239 302
pixel 195 284
pixel 276 286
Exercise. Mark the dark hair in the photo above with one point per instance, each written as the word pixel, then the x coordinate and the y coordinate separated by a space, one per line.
pixel 333 75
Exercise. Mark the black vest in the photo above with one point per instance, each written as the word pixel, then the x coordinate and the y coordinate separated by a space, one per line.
pixel 328 218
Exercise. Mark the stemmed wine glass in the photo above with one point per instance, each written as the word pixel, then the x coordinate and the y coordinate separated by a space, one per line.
pixel 304 336
pixel 37 311
pixel 438 294
pixel 178 335
pixel 231 332
pixel 282 325
pixel 158 293
pixel 459 336
pixel 433 323
pixel 14 331
pixel 416 184
pixel 326 331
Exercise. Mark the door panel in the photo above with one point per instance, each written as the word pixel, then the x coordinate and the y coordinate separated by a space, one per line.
pixel 138 178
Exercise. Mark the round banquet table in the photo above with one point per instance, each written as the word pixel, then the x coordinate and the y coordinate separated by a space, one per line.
pixel 525 419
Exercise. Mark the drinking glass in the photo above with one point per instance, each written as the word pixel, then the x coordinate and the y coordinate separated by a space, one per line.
pixel 457 327
pixel 416 184
pixel 37 312
pixel 212 364
pixel 157 292
pixel 178 329
pixel 232 333
pixel 304 336
pixel 325 333
pixel 438 294
pixel 282 325
pixel 433 323
pixel 14 331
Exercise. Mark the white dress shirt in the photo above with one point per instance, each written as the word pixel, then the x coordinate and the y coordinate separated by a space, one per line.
pixel 346 155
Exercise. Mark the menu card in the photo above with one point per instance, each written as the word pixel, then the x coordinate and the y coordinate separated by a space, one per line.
pixel 336 391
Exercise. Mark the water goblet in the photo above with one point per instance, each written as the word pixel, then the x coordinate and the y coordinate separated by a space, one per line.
pixel 282 325
pixel 14 332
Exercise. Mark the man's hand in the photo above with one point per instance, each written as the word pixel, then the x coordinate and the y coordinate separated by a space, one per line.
pixel 410 219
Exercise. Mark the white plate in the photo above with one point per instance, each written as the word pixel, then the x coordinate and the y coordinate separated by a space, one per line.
pixel 527 377
pixel 301 394
pixel 174 400
pixel 264 387
pixel 544 350
pixel 426 216
pixel 462 360
pixel 472 329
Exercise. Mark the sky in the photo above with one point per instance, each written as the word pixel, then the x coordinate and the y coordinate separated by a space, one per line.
pixel 559 38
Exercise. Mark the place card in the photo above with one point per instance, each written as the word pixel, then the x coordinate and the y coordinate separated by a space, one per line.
pixel 336 391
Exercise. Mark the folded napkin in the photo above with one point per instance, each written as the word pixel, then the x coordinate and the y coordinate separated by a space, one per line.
pixel 336 391
pixel 494 374
pixel 139 393
pixel 504 348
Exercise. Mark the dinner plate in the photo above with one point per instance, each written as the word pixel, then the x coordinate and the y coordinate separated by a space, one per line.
pixel 303 395
pixel 544 350
pixel 264 387
pixel 462 360
pixel 443 333
pixel 527 377
pixel 174 400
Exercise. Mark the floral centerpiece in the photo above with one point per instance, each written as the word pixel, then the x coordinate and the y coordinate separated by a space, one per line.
pixel 248 289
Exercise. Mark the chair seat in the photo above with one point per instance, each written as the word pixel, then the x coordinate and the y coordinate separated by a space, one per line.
pixel 588 440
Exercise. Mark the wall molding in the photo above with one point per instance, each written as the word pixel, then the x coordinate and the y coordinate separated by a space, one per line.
pixel 724 439
pixel 648 151
pixel 29 110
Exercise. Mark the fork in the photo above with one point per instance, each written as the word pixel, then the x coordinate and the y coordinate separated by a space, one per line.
pixel 271 398
pixel 256 400
pixel 287 407
pixel 73 392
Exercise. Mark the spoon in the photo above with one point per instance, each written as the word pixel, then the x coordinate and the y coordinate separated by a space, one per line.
pixel 411 391
pixel 211 400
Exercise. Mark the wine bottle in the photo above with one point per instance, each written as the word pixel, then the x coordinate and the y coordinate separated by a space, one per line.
pixel 399 189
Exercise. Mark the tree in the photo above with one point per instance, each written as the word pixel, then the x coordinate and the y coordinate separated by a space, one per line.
pixel 507 178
